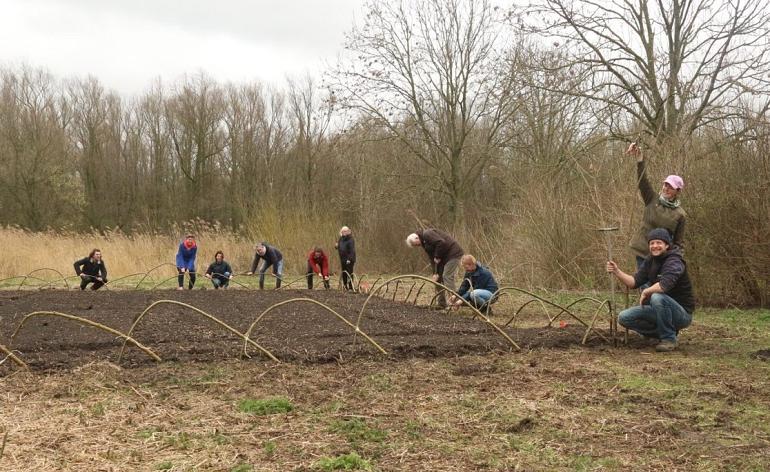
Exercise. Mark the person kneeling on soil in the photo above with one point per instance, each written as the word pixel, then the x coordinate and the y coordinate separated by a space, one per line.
pixel 666 306
pixel 272 257
pixel 219 271
pixel 478 286
pixel 317 264
pixel 91 269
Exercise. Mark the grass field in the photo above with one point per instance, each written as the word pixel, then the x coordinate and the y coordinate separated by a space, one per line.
pixel 704 407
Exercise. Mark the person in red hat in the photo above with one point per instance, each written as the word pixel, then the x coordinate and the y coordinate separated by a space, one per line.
pixel 661 209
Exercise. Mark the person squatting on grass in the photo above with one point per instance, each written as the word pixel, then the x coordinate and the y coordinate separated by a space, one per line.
pixel 317 264
pixel 667 304
pixel 478 286
pixel 444 254
pixel 272 257
pixel 185 261
pixel 219 271
pixel 346 247
pixel 661 210
pixel 91 269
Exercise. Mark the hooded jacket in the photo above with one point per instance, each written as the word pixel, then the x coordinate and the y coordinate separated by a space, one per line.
pixel 670 270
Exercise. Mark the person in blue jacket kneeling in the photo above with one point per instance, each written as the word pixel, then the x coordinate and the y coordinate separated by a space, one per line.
pixel 478 287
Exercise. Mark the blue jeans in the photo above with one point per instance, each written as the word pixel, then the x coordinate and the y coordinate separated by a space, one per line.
pixel 661 319
pixel 277 271
pixel 220 282
pixel 478 297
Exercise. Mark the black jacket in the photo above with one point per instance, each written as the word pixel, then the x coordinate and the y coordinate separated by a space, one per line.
pixel 272 255
pixel 218 270
pixel 670 270
pixel 346 246
pixel 88 266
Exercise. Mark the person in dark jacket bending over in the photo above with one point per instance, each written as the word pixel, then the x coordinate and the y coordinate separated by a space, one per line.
pixel 185 261
pixel 667 304
pixel 219 271
pixel 346 247
pixel 91 269
pixel 272 257
pixel 661 210
pixel 317 264
pixel 478 286
pixel 444 254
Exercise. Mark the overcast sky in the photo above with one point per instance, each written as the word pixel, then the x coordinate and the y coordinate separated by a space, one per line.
pixel 128 43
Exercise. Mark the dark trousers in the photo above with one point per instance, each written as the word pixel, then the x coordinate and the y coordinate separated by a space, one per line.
pixel 97 284
pixel 347 274
pixel 180 279
pixel 310 275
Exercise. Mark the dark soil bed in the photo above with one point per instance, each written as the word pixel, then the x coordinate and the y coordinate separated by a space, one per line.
pixel 300 332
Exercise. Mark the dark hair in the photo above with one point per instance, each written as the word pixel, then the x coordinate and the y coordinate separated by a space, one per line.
pixel 93 251
pixel 218 253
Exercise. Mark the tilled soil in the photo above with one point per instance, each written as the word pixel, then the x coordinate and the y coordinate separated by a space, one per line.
pixel 300 331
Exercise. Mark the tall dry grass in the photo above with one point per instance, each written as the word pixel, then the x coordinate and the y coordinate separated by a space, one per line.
pixel 546 238
pixel 124 254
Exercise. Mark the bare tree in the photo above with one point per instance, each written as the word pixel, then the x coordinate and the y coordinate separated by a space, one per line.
pixel 37 176
pixel 434 74
pixel 673 66
pixel 195 122
pixel 256 138
pixel 311 116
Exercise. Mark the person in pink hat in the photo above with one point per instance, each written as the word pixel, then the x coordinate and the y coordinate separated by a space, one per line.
pixel 661 209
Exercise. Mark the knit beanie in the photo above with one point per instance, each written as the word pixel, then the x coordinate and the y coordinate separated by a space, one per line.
pixel 661 234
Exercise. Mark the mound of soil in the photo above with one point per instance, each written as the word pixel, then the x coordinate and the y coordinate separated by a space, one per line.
pixel 299 331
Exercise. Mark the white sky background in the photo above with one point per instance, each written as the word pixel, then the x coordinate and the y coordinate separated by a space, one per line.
pixel 127 44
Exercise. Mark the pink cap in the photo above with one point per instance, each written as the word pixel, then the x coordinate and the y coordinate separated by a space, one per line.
pixel 675 182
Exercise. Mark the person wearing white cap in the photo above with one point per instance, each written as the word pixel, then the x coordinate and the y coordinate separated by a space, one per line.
pixel 661 210
pixel 346 247
pixel 444 254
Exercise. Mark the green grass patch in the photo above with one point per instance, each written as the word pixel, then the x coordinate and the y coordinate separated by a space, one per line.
pixel 165 465
pixel 266 406
pixel 242 468
pixel 356 430
pixel 350 461
pixel 269 447
pixel 181 441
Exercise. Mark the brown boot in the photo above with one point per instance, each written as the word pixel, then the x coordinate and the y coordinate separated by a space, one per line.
pixel 666 345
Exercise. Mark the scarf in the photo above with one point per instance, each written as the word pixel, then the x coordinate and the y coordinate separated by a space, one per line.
pixel 672 204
